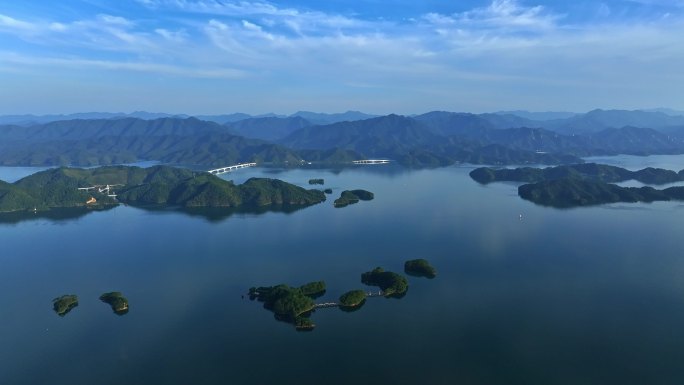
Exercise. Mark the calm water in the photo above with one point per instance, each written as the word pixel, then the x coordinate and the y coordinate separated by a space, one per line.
pixel 584 296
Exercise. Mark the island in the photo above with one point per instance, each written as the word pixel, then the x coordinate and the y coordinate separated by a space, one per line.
pixel 117 301
pixel 585 184
pixel 313 289
pixel 419 268
pixel 316 181
pixel 352 298
pixel 295 305
pixel 348 197
pixel 391 284
pixel 572 192
pixel 290 304
pixel 158 185
pixel 588 171
pixel 328 191
pixel 63 305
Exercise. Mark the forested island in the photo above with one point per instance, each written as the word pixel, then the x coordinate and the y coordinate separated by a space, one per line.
pixel 117 301
pixel 349 197
pixel 419 268
pixel 295 305
pixel 353 298
pixel 290 304
pixel 585 184
pixel 317 181
pixel 158 185
pixel 588 171
pixel 64 304
pixel 573 192
pixel 391 284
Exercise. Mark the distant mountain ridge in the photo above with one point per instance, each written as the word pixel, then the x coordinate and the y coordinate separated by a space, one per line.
pixel 598 120
pixel 432 139
pixel 321 118
pixel 269 128
pixel 313 117
pixel 539 116
pixel 93 128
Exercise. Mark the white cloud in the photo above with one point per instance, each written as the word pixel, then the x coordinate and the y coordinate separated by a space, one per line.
pixel 179 36
pixel 503 43
pixel 115 20
pixel 500 14
pixel 215 7
pixel 150 67
pixel 18 26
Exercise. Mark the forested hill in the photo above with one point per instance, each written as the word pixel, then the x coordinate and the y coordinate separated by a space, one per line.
pixel 588 171
pixel 159 185
pixel 383 136
pixel 83 129
pixel 433 139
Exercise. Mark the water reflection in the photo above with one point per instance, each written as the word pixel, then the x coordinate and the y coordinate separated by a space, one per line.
pixel 588 292
pixel 55 215
pixel 211 214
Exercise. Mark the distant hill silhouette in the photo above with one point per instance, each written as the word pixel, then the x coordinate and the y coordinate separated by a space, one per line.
pixel 431 139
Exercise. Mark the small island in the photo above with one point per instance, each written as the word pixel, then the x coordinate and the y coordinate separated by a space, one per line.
pixel 316 181
pixel 420 268
pixel 353 298
pixel 64 304
pixel 290 304
pixel 391 284
pixel 117 301
pixel 349 197
pixel 295 305
pixel 328 191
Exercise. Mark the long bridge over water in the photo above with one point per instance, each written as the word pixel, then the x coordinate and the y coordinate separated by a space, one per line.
pixel 371 161
pixel 223 170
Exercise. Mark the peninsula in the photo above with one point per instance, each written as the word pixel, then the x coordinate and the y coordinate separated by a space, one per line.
pixel 158 185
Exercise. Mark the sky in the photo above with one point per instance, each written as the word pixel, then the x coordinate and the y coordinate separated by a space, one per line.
pixel 389 56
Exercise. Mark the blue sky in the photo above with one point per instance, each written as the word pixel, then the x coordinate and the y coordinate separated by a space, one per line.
pixel 222 56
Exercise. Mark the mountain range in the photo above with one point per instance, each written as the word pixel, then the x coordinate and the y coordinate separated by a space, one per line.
pixel 432 139
pixel 313 117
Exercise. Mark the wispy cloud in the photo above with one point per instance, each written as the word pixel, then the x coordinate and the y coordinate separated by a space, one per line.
pixel 506 43
pixel 509 13
pixel 9 58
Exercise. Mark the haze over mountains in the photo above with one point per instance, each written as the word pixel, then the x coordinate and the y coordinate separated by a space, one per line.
pixel 431 139
pixel 313 117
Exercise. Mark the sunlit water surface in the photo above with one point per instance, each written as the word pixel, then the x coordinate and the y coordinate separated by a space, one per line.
pixel 583 296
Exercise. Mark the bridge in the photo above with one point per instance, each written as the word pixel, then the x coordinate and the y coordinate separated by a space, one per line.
pixel 223 170
pixel 371 161
pixel 379 293
pixel 102 189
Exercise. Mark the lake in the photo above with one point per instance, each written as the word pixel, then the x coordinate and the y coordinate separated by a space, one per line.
pixel 582 296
